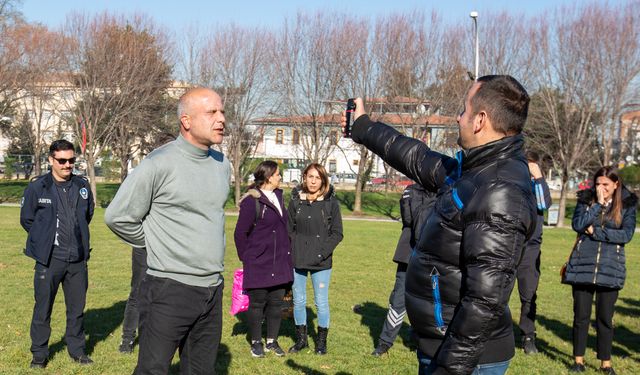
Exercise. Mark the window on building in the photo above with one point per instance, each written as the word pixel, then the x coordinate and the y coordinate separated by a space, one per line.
pixel 295 137
pixel 332 166
pixel 279 136
pixel 333 137
pixel 356 162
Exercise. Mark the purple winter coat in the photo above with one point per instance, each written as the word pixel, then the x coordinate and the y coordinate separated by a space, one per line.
pixel 264 250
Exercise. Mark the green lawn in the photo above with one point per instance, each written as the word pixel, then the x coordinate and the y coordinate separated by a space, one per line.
pixel 363 275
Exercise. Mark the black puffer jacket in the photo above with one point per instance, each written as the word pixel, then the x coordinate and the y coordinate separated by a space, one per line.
pixel 598 259
pixel 463 269
pixel 315 229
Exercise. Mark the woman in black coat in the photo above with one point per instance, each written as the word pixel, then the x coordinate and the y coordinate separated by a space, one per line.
pixel 315 227
pixel 605 220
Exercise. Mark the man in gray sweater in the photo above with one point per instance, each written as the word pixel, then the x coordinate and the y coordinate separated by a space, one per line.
pixel 172 204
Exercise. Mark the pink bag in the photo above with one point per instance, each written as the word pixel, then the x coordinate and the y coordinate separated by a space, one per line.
pixel 239 300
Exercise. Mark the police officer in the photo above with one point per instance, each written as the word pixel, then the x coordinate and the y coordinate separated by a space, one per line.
pixel 56 211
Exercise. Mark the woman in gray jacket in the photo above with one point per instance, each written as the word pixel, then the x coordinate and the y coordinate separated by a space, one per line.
pixel 315 228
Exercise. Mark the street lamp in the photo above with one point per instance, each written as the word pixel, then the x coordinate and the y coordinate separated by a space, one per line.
pixel 474 15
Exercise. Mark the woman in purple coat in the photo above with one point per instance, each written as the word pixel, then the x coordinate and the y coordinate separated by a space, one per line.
pixel 263 247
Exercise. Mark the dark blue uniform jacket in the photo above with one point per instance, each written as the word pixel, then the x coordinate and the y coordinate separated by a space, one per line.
pixel 38 215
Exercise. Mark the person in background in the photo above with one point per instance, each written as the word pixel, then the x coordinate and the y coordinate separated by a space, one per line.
pixel 414 207
pixel 173 204
pixel 315 228
pixel 131 313
pixel 262 241
pixel 528 272
pixel 605 220
pixel 56 210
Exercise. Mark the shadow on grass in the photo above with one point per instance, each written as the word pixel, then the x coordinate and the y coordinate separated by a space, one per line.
pixel 222 362
pixel 632 302
pixel 373 316
pixel 623 338
pixel 562 331
pixel 308 370
pixel 348 200
pixel 287 327
pixel 98 324
pixel 632 311
pixel 385 207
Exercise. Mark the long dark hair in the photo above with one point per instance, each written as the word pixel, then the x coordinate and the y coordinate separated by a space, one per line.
pixel 263 171
pixel 615 213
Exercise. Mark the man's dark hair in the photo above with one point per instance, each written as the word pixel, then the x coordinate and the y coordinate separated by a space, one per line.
pixel 532 156
pixel 60 145
pixel 505 101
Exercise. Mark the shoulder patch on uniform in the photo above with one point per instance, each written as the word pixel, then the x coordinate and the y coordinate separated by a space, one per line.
pixel 84 193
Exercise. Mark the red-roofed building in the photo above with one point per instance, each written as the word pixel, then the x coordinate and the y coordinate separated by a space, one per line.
pixel 282 137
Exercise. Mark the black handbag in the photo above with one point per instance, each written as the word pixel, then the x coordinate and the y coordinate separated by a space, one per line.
pixel 563 269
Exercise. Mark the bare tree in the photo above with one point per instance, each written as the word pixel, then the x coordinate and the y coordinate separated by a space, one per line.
pixel 612 36
pixel 507 47
pixel 41 62
pixel 113 74
pixel 311 69
pixel 11 67
pixel 237 63
pixel 563 112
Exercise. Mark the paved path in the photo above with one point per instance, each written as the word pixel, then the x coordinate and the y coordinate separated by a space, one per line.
pixel 353 218
pixel 235 213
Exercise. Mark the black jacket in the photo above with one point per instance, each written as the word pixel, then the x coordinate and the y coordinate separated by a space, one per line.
pixel 463 269
pixel 415 204
pixel 599 259
pixel 315 229
pixel 38 215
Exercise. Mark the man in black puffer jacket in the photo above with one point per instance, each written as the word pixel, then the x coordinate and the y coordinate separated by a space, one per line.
pixel 463 268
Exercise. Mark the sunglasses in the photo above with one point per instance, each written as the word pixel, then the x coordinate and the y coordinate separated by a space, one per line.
pixel 63 161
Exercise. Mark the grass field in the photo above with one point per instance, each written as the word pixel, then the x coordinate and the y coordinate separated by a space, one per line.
pixel 363 275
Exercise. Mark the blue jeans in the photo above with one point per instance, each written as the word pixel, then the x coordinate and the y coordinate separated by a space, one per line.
pixel 320 281
pixel 425 366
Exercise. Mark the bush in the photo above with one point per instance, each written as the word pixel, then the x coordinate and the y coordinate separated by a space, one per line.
pixel 631 176
pixel 9 167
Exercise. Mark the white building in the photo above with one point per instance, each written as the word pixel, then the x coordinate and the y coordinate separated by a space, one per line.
pixel 282 137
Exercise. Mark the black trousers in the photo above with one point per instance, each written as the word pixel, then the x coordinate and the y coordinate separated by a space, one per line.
pixel 528 275
pixel 46 281
pixel 397 310
pixel 131 313
pixel 174 316
pixel 605 303
pixel 267 301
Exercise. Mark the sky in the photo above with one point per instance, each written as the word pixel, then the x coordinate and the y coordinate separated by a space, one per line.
pixel 176 14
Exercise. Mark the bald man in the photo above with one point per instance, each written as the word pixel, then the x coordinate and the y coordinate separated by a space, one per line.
pixel 172 204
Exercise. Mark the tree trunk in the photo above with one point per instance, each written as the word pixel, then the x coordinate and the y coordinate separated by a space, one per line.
pixel 124 166
pixel 91 173
pixel 37 165
pixel 237 184
pixel 563 200
pixel 362 165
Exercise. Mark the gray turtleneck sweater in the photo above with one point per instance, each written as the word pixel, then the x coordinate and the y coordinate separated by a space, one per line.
pixel 172 204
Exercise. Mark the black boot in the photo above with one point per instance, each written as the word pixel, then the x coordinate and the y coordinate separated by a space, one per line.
pixel 301 339
pixel 321 346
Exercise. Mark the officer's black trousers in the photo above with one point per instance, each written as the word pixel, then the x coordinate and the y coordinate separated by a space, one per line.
pixel 46 281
